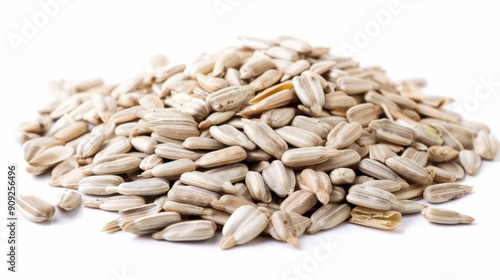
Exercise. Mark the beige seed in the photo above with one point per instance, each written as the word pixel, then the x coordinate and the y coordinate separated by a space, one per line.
pixel 174 151
pixel 346 158
pixel 144 144
pixel 343 135
pixel 283 225
pixel 329 216
pixel 229 203
pixel 68 200
pixel 442 153
pixel 117 203
pixel 280 117
pixel 486 145
pixel 393 132
pixel 409 170
pixel 51 156
pixel 441 175
pixel 246 223
pixel 445 192
pixel 257 187
pixel 300 223
pixel 208 182
pixel 375 218
pixel 279 178
pixel 202 143
pixel 222 157
pixel 187 231
pixel 265 138
pixel 232 172
pixel 470 160
pixel 299 137
pixel 373 198
pixel 381 152
pixel 35 209
pixel 317 182
pixel 363 113
pixel 299 202
pixel 341 176
pixel 192 195
pixel 308 156
pixel 412 207
pixel 229 135
pixel 444 216
pixel 152 223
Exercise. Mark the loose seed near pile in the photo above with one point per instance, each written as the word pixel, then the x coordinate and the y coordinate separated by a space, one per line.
pixel 35 209
pixel 273 138
pixel 69 200
pixel 443 216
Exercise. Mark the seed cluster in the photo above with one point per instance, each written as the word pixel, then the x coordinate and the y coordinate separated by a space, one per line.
pixel 275 137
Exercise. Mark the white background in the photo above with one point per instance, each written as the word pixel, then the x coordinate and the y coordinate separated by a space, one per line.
pixel 453 44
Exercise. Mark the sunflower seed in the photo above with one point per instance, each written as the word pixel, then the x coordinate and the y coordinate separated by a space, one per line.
pixel 279 178
pixel 329 216
pixel 152 223
pixel 187 231
pixel 68 200
pixel 486 145
pixel 373 198
pixel 444 216
pixel 375 218
pixel 34 209
pixel 299 202
pixel 446 192
pixel 117 203
pixel 470 160
pixel 246 223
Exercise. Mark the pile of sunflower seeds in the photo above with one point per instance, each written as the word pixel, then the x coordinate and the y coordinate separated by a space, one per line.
pixel 274 138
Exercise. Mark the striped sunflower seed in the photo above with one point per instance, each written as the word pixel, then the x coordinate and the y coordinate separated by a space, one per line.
pixel 373 198
pixel 117 203
pixel 246 223
pixel 68 200
pixel 329 216
pixel 35 209
pixel 187 231
pixel 470 160
pixel 444 216
pixel 445 192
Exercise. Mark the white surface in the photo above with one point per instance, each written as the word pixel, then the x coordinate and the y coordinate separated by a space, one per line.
pixel 453 44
